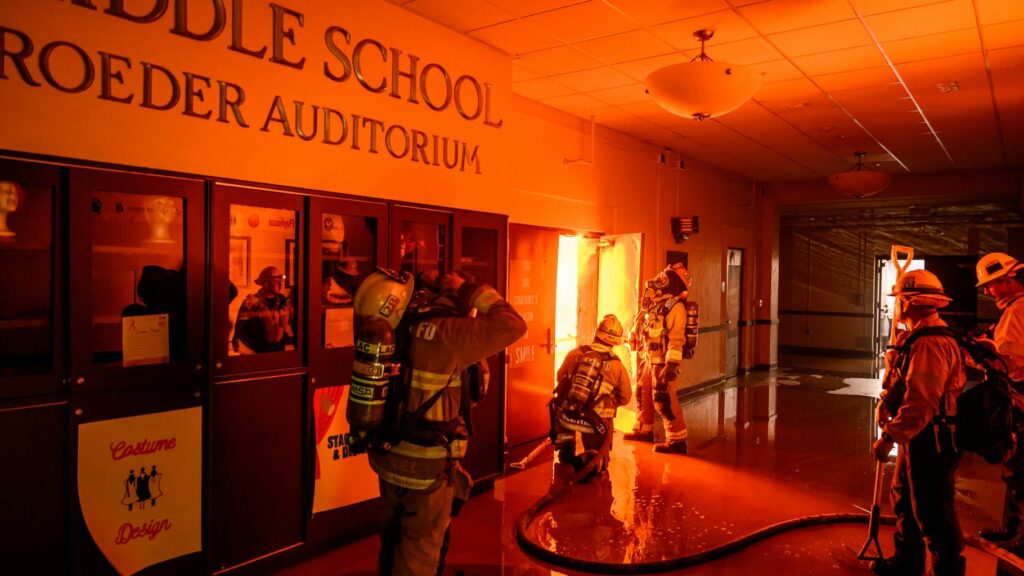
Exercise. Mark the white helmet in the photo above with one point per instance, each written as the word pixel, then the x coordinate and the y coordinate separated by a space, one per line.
pixel 609 331
pixel 921 288
pixel 995 266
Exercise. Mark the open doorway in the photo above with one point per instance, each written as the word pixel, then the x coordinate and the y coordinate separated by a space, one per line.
pixel 561 284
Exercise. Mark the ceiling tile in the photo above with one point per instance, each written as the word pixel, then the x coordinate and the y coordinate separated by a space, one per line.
pixel 867 7
pixel 792 91
pixel 625 47
pixel 558 60
pixel 516 37
pixel 824 38
pixel 744 52
pixel 1005 35
pixel 541 88
pixel 933 46
pixel 640 69
pixel 585 21
pixel 727 26
pixel 519 73
pixel 922 78
pixel 1006 58
pixel 522 8
pixel 784 103
pixel 646 109
pixel 575 103
pixel 622 95
pixel 613 116
pixel 923 20
pixel 993 11
pixel 777 71
pixel 648 13
pixel 459 16
pixel 783 15
pixel 596 79
pixel 841 60
pixel 856 79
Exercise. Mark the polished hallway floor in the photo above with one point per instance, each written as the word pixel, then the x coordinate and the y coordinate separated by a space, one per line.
pixel 764 448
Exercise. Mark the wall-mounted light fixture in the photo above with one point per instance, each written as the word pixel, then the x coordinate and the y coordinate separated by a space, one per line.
pixel 683 227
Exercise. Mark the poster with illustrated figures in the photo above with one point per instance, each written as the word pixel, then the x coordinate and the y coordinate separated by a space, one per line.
pixel 342 478
pixel 140 486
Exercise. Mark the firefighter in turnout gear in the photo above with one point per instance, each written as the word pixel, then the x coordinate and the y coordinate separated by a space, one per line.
pixel 919 398
pixel 592 384
pixel 665 333
pixel 420 474
pixel 998 277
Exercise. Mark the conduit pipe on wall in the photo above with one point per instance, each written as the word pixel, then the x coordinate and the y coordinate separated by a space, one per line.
pixel 585 161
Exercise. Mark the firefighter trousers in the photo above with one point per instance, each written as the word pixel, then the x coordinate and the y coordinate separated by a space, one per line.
pixel 922 499
pixel 414 533
pixel 675 429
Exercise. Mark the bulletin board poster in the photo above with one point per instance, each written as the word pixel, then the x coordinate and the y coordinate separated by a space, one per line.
pixel 342 479
pixel 140 486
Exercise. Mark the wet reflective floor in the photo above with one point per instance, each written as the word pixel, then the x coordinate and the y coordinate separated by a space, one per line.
pixel 764 449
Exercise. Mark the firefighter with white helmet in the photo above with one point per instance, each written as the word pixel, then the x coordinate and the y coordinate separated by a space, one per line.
pixel 592 384
pixel 924 377
pixel 998 277
pixel 665 334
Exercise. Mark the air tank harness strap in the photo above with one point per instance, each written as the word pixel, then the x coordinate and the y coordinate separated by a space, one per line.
pixel 415 429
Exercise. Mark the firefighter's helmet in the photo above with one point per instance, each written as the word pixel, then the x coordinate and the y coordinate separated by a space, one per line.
pixel 609 331
pixel 995 266
pixel 384 294
pixel 921 288
pixel 674 280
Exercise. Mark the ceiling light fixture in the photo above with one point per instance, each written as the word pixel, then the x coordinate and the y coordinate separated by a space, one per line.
pixel 858 181
pixel 702 88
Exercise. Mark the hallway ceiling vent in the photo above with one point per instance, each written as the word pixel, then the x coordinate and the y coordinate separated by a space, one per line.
pixel 702 88
pixel 858 181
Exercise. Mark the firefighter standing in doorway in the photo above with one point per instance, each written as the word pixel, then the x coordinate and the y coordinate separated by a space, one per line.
pixel 592 384
pixel 997 276
pixel 419 462
pixel 922 383
pixel 665 333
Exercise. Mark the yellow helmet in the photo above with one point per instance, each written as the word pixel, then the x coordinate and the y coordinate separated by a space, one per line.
pixel 995 266
pixel 384 294
pixel 921 288
pixel 609 331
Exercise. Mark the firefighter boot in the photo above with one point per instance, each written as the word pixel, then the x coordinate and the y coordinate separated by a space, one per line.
pixel 672 447
pixel 897 565
pixel 639 436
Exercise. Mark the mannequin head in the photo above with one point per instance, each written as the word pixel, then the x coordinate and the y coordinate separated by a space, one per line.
pixel 11 197
pixel 160 212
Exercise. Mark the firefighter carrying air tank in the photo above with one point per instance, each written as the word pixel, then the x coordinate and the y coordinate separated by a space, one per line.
pixel 665 333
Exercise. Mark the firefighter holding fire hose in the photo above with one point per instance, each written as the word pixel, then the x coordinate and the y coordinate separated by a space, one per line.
pixel 412 389
pixel 665 333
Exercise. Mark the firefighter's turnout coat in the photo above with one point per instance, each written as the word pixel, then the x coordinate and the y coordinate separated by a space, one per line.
pixel 441 349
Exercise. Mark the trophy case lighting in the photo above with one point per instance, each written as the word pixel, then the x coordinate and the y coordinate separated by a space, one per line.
pixel 683 227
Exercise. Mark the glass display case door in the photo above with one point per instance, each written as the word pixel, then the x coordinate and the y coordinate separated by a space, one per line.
pixel 258 279
pixel 31 302
pixel 420 239
pixel 347 243
pixel 480 252
pixel 137 281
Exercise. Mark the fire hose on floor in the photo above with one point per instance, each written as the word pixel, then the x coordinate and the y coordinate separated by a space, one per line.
pixel 717 552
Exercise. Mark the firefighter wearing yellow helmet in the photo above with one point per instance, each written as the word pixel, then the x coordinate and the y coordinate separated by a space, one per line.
pixel 924 378
pixel 665 333
pixel 592 384
pixel 998 277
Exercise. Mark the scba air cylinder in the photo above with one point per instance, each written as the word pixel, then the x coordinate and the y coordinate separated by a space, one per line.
pixel 585 379
pixel 379 304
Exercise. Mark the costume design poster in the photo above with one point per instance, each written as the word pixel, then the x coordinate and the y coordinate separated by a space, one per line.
pixel 140 486
pixel 342 478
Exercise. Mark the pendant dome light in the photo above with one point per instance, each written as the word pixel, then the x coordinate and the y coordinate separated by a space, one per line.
pixel 702 88
pixel 859 181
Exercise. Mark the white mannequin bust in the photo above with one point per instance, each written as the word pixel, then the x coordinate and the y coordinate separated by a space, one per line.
pixel 11 196
pixel 160 212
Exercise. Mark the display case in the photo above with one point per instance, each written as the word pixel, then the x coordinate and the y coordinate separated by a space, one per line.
pixel 137 280
pixel 257 311
pixel 420 239
pixel 31 302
